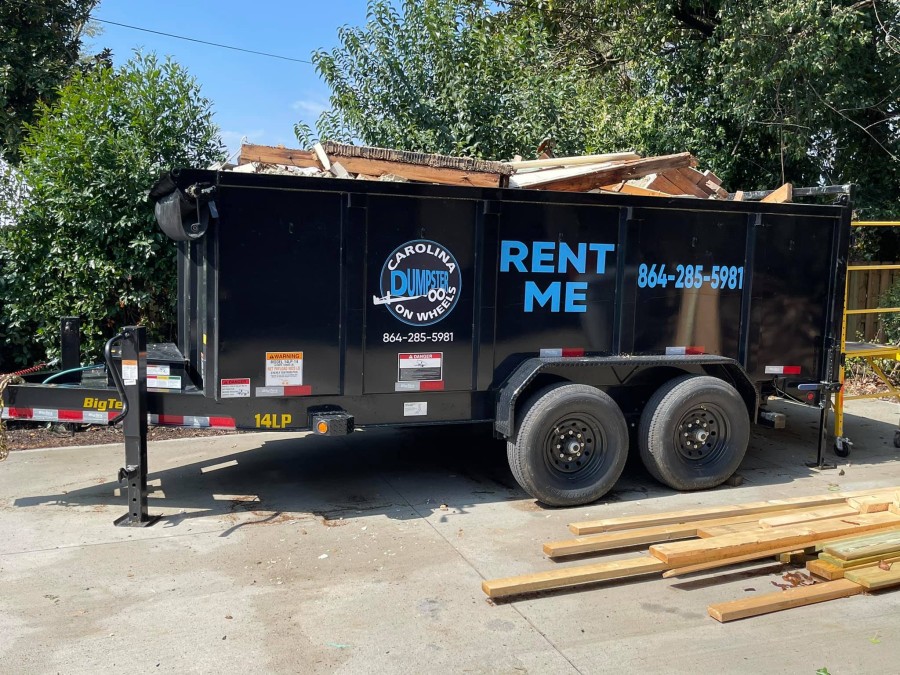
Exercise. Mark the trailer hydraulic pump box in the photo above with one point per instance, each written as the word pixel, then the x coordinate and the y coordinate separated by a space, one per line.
pixel 581 326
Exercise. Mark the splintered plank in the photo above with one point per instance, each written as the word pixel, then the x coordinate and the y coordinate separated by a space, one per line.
pixel 710 512
pixel 691 552
pixel 685 184
pixel 582 179
pixel 286 156
pixel 875 577
pixel 578 160
pixel 807 516
pixel 780 600
pixel 866 547
pixel 418 166
pixel 571 576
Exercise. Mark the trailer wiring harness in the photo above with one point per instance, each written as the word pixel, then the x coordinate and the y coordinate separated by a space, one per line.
pixel 7 379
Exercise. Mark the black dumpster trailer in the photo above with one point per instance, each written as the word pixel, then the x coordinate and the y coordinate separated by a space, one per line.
pixel 582 326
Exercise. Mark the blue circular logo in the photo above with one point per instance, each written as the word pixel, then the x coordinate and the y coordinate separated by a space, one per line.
pixel 420 283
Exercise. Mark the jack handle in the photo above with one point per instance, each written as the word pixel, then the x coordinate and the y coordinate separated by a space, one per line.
pixel 117 378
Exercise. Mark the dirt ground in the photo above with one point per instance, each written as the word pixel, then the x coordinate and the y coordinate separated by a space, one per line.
pixel 32 435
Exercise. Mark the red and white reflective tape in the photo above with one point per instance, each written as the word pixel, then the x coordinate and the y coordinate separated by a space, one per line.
pixel 420 385
pixel 298 390
pixel 50 415
pixel 680 351
pixel 565 351
pixel 96 417
pixel 782 370
pixel 191 421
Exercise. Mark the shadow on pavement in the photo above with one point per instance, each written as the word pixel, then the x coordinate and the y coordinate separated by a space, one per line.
pixel 411 472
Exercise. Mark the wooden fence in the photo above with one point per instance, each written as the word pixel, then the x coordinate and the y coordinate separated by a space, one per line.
pixel 864 292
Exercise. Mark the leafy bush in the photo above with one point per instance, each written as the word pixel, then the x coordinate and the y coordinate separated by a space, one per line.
pixel 85 243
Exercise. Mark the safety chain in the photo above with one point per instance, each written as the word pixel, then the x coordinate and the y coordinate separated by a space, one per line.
pixel 6 380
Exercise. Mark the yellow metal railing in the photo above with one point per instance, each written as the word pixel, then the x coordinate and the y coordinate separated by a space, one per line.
pixel 870 353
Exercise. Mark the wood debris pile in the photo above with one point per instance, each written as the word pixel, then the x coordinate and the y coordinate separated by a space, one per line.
pixel 689 542
pixel 623 173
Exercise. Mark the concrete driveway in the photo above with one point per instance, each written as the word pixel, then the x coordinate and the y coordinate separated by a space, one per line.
pixel 365 554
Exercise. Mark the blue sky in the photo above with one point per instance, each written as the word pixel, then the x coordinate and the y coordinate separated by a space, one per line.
pixel 254 96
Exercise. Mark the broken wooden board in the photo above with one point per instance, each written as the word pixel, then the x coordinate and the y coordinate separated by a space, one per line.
pixel 269 155
pixel 875 578
pixel 782 195
pixel 571 576
pixel 579 160
pixel 781 600
pixel 706 513
pixel 884 543
pixel 684 184
pixel 419 166
pixel 584 178
pixel 695 551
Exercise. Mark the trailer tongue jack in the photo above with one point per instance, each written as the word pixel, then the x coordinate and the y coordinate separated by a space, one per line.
pixel 132 388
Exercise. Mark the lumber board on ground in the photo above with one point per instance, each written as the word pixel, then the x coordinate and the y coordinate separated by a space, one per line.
pixel 782 195
pixel 608 541
pixel 584 178
pixel 726 562
pixel 874 578
pixel 781 600
pixel 709 512
pixel 579 160
pixel 695 551
pixel 728 528
pixel 824 569
pixel 884 543
pixel 873 504
pixel 571 576
pixel 807 516
pixel 859 562
pixel 270 155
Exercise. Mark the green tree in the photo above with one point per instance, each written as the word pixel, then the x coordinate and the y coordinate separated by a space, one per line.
pixel 451 77
pixel 86 242
pixel 39 47
pixel 763 92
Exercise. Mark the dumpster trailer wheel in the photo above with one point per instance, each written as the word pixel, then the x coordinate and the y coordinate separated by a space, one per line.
pixel 694 432
pixel 571 446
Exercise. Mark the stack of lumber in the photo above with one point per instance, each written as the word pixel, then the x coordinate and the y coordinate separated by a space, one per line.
pixel 622 172
pixel 857 535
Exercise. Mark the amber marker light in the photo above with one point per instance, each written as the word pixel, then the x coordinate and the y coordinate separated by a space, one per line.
pixel 322 427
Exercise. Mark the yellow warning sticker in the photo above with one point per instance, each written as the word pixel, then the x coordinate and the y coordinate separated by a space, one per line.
pixel 284 369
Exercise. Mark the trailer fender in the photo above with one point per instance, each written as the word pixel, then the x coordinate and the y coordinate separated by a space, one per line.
pixel 614 371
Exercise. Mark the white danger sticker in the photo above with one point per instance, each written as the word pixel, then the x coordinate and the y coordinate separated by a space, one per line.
pixel 427 367
pixel 236 387
pixel 163 382
pixel 415 408
pixel 284 369
pixel 129 371
pixel 153 371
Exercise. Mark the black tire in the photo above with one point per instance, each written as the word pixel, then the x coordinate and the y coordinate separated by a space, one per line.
pixel 841 449
pixel 676 447
pixel 592 436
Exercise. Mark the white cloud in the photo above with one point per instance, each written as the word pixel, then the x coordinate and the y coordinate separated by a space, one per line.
pixel 309 107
